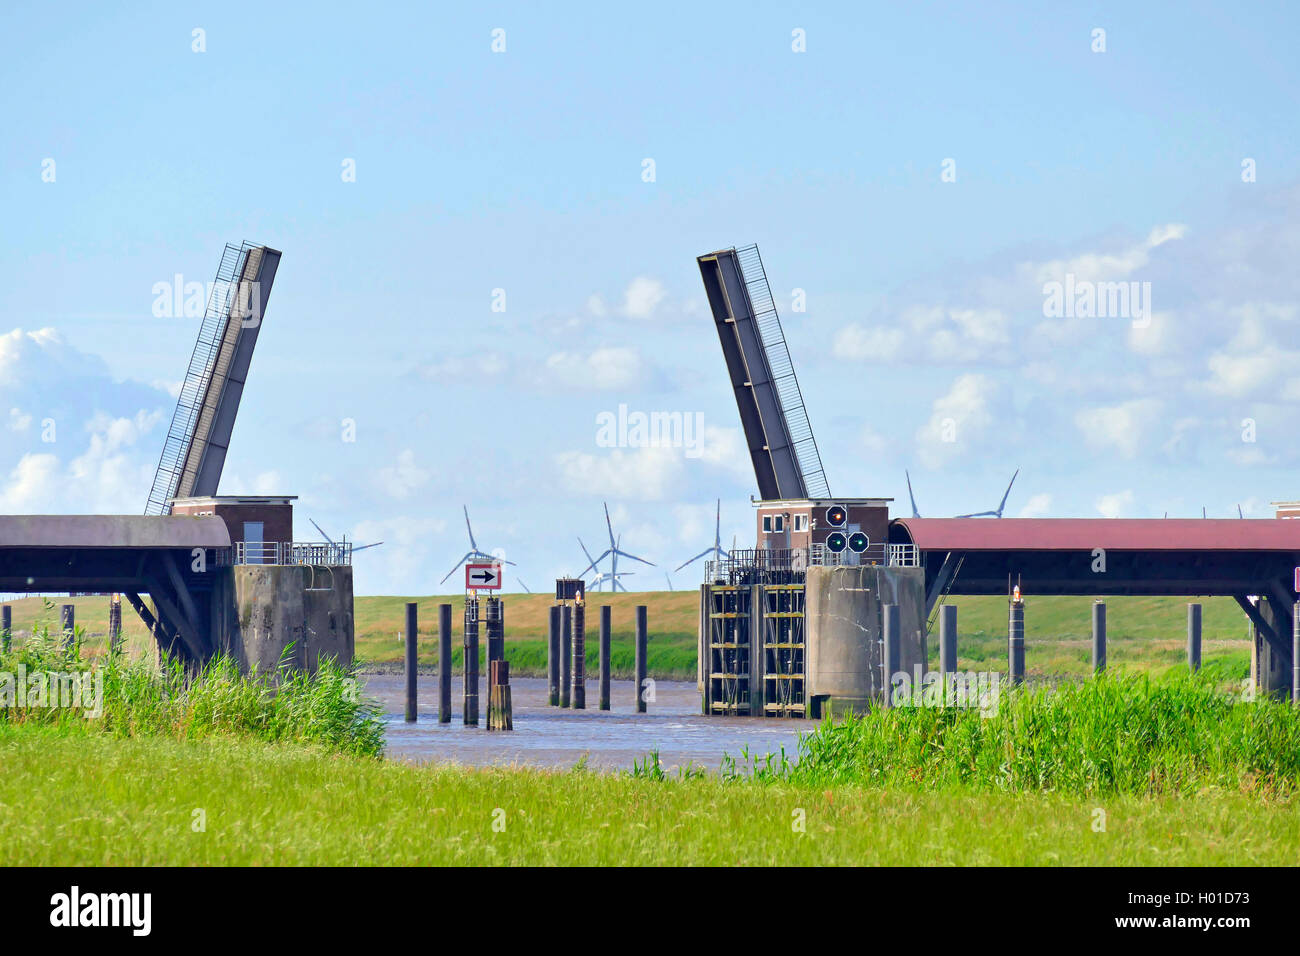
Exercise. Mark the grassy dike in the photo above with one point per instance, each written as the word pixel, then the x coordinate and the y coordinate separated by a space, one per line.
pixel 1144 634
pixel 83 799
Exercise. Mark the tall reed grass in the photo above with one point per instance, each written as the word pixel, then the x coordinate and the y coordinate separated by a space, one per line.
pixel 140 699
pixel 1130 735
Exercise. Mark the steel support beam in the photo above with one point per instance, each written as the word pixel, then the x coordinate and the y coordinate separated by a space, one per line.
pixel 1261 625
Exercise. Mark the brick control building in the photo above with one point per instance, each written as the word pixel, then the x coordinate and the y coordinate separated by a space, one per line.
pixel 254 521
pixel 804 524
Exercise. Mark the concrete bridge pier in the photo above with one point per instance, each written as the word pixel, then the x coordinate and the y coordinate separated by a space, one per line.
pixel 1271 657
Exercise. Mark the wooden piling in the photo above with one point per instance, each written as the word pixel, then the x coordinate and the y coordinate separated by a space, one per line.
pixel 892 646
pixel 115 624
pixel 499 716
pixel 412 665
pixel 640 669
pixel 579 656
pixel 1193 637
pixel 604 657
pixel 553 657
pixel 6 626
pixel 948 640
pixel 68 621
pixel 566 653
pixel 471 662
pixel 1098 637
pixel 495 619
pixel 947 647
pixel 1295 652
pixel 444 663
pixel 1016 641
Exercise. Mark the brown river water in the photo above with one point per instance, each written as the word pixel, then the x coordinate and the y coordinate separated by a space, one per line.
pixel 546 736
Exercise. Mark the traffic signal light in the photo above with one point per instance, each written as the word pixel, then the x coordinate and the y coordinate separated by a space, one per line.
pixel 836 541
pixel 859 542
pixel 836 516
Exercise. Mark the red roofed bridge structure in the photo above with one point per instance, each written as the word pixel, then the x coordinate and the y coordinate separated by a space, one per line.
pixel 1243 559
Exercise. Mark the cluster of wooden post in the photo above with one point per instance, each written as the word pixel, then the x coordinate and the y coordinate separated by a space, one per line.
pixel 499 708
pixel 6 627
pixel 566 657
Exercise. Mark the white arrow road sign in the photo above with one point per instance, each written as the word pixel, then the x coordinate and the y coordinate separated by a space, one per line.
pixel 483 577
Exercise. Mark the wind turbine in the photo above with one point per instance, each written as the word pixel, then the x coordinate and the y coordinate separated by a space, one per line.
pixel 524 586
pixel 355 547
pixel 473 551
pixel 716 550
pixel 915 513
pixel 598 582
pixel 1003 504
pixel 613 552
pixel 997 513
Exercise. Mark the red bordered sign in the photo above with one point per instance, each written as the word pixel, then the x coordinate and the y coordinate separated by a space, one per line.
pixel 483 577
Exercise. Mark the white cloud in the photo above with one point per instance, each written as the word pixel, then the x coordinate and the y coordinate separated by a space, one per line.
pixel 958 420
pixel 1037 506
pixel 467 367
pixel 1121 428
pixel 415 554
pixel 402 478
pixel 725 448
pixel 610 367
pixel 860 343
pixel 873 443
pixel 1103 266
pixel 1241 375
pixel 642 297
pixel 1115 505
pixel 111 475
pixel 648 474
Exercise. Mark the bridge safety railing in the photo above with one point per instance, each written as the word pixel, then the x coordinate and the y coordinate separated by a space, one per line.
pixel 318 553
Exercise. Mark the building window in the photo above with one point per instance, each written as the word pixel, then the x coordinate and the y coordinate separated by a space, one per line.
pixel 778 523
pixel 800 522
pixel 767 524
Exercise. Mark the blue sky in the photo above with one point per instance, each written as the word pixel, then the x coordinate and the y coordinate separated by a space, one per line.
pixel 523 171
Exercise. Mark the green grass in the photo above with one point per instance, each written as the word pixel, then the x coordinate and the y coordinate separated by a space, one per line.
pixel 1132 736
pixel 93 800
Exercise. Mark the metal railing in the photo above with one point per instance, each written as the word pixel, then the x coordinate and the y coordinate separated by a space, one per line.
pixel 904 556
pixel 782 368
pixel 180 435
pixel 318 553
pixel 762 560
pixel 823 557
